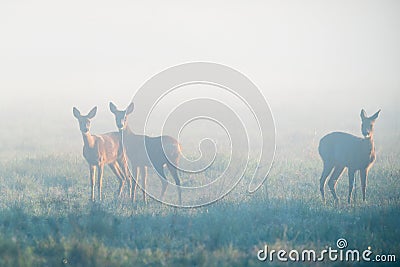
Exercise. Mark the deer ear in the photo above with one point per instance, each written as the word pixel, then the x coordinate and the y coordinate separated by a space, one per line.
pixel 76 112
pixel 130 108
pixel 375 116
pixel 363 114
pixel 92 113
pixel 113 108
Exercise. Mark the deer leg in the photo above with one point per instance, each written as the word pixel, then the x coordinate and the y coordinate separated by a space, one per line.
pixel 325 173
pixel 130 181
pixel 100 178
pixel 92 170
pixel 123 168
pixel 144 178
pixel 174 173
pixel 116 170
pixel 333 181
pixel 351 184
pixel 363 176
pixel 127 174
pixel 163 178
pixel 136 171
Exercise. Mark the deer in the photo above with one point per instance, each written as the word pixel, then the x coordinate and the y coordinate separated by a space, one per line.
pixel 144 151
pixel 99 150
pixel 340 150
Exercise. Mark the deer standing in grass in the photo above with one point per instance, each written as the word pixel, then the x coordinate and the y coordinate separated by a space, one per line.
pixel 99 150
pixel 144 151
pixel 340 150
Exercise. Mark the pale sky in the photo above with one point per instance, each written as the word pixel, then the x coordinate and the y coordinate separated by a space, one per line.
pixel 307 57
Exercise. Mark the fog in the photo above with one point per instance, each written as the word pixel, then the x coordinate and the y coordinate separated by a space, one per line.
pixel 317 63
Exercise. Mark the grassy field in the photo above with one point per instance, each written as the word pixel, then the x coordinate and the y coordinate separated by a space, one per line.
pixel 47 219
pixel 316 65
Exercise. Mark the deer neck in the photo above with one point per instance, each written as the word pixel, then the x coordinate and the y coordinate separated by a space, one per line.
pixel 128 131
pixel 369 144
pixel 88 139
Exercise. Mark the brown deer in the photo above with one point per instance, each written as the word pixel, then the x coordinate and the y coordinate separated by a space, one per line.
pixel 144 151
pixel 340 150
pixel 99 150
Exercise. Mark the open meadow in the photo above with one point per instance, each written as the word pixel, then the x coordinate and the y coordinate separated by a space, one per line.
pixel 47 218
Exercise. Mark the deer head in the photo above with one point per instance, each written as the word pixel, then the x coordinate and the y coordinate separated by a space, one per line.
pixel 367 123
pixel 121 115
pixel 84 120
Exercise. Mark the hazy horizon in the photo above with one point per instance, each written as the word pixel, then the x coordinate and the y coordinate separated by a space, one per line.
pixel 316 63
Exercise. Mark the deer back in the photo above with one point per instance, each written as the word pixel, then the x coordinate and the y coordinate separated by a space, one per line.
pixel 106 149
pixel 143 150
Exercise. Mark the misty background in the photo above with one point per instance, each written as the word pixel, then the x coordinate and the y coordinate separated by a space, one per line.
pixel 317 63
